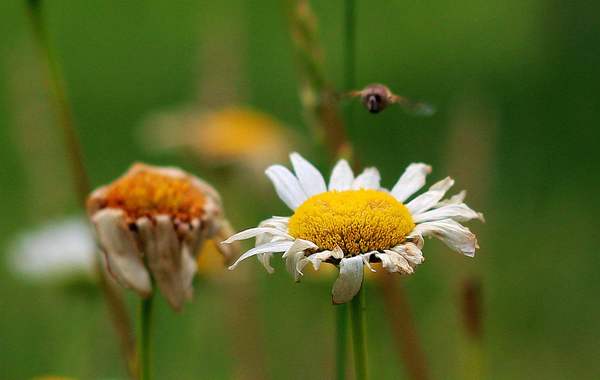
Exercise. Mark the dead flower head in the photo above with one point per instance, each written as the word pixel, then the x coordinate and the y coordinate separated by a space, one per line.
pixel 150 223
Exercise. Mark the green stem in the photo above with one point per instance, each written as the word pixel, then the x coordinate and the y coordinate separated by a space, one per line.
pixel 349 45
pixel 59 97
pixel 65 124
pixel 349 65
pixel 341 340
pixel 359 339
pixel 144 338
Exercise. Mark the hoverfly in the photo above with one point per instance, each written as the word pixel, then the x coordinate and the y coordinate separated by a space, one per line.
pixel 377 97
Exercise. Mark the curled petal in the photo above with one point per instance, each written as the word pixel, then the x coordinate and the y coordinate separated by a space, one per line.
pixel 253 232
pixel 453 234
pixel 293 256
pixel 455 199
pixel 459 212
pixel 317 258
pixel 278 246
pixel 287 186
pixel 123 257
pixel 310 178
pixel 411 181
pixel 368 179
pixel 265 260
pixel 341 176
pixel 394 262
pixel 431 197
pixel 349 280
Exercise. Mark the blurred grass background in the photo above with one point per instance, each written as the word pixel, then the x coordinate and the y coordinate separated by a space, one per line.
pixel 516 86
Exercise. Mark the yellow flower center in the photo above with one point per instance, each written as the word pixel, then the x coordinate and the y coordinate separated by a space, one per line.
pixel 148 193
pixel 358 221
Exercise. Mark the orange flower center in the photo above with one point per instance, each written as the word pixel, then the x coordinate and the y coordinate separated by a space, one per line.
pixel 147 193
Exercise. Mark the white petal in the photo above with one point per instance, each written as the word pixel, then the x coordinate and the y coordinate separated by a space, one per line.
pixel 431 197
pixel 349 280
pixel 367 259
pixel 453 234
pixel 287 186
pixel 337 253
pixel 394 262
pixel 410 181
pixel 341 176
pixel 294 254
pixel 253 232
pixel 265 260
pixel 455 199
pixel 279 246
pixel 411 252
pixel 368 179
pixel 124 259
pixel 310 178
pixel 317 258
pixel 459 212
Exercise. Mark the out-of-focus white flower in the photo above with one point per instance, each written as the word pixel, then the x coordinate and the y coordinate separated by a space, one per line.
pixel 57 251
pixel 150 224
pixel 353 221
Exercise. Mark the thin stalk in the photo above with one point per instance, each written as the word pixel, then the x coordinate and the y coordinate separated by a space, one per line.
pixel 341 341
pixel 144 338
pixel 349 45
pixel 359 338
pixel 402 325
pixel 58 96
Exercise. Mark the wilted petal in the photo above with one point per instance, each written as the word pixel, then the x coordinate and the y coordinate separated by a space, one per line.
pixel 124 259
pixel 310 178
pixel 349 280
pixel 317 258
pixel 253 232
pixel 368 179
pixel 394 262
pixel 341 176
pixel 295 254
pixel 453 234
pixel 455 199
pixel 287 186
pixel 411 181
pixel 431 197
pixel 164 257
pixel 279 246
pixel 265 260
pixel 459 212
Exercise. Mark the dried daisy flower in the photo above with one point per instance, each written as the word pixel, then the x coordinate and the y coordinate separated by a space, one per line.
pixel 150 223
pixel 57 252
pixel 353 221
pixel 233 135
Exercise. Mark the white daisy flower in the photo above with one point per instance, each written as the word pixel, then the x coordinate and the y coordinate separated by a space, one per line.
pixel 55 252
pixel 353 221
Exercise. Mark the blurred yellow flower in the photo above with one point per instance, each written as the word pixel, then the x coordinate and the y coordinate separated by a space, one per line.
pixel 150 223
pixel 232 135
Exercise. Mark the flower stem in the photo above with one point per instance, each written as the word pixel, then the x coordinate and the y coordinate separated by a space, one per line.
pixel 359 339
pixel 144 338
pixel 55 84
pixel 59 97
pixel 341 341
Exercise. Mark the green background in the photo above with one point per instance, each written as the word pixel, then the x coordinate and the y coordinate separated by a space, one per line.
pixel 516 87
